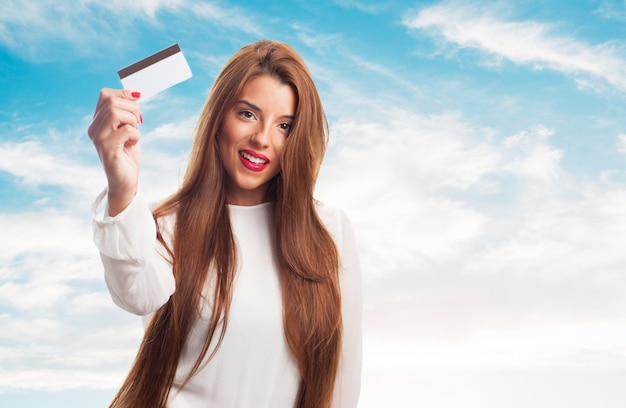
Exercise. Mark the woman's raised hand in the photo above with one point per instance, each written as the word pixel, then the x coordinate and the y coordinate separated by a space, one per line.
pixel 115 134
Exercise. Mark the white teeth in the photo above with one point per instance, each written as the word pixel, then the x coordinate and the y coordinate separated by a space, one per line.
pixel 253 159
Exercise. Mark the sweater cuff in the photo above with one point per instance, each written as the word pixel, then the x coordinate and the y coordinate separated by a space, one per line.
pixel 130 235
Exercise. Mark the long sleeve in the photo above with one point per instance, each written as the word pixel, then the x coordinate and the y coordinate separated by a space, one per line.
pixel 137 272
pixel 348 381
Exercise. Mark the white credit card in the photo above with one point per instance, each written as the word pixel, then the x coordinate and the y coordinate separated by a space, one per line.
pixel 156 73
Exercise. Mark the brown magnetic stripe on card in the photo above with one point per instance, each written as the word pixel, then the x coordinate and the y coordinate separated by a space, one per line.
pixel 146 62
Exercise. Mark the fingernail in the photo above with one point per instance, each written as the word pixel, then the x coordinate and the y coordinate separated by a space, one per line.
pixel 140 119
pixel 135 94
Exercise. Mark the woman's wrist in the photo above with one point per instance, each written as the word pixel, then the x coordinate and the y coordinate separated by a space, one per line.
pixel 119 200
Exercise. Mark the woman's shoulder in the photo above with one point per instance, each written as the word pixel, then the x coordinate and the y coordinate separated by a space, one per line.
pixel 334 219
pixel 328 213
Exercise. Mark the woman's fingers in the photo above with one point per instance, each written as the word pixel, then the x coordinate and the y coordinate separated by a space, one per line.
pixel 108 120
pixel 114 109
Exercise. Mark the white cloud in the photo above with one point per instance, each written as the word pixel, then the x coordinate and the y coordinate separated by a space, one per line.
pixel 530 155
pixel 528 42
pixel 424 153
pixel 62 324
pixel 611 10
pixel 509 368
pixel 621 143
pixel 563 239
pixel 415 186
pixel 363 6
pixel 52 357
pixel 37 329
pixel 316 41
pixel 34 294
pixel 25 25
pixel 393 179
pixel 46 232
pixel 29 26
pixel 181 130
pixel 59 379
pixel 88 303
pixel 233 18
pixel 35 165
pixel 570 345
pixel 147 7
pixel 479 250
pixel 382 71
pixel 49 258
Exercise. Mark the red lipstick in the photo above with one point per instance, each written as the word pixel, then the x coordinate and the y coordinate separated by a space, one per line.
pixel 253 161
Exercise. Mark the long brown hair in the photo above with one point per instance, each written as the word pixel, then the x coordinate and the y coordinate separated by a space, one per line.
pixel 203 245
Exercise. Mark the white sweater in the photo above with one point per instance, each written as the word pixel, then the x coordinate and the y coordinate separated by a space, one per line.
pixel 253 367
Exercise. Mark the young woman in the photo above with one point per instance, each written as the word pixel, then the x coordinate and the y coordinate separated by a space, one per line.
pixel 250 287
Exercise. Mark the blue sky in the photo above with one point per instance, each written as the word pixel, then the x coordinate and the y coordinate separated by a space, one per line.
pixel 478 148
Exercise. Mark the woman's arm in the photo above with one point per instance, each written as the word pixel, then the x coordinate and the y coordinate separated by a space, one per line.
pixel 139 278
pixel 137 269
pixel 348 381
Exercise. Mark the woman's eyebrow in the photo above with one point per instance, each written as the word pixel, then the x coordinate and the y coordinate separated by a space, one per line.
pixel 251 105
pixel 256 108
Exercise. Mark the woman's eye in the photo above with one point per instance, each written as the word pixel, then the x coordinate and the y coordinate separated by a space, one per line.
pixel 247 114
pixel 285 126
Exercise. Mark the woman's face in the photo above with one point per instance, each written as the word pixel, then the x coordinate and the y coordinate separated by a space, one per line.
pixel 252 138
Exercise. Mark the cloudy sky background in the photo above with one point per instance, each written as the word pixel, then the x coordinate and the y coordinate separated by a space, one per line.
pixel 478 147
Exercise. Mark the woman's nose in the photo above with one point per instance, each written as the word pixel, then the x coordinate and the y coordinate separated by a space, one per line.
pixel 261 136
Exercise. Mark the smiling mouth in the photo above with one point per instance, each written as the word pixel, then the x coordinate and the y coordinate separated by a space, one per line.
pixel 253 159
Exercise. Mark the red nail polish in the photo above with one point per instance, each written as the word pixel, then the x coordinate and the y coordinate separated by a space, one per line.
pixel 135 94
pixel 140 119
